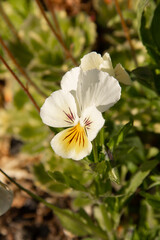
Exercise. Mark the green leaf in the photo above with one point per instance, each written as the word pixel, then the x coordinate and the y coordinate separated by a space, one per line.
pixel 41 174
pixel 117 139
pixel 20 98
pixel 145 76
pixel 153 200
pixel 21 52
pixel 58 176
pixel 68 180
pixel 155 27
pixel 78 226
pixel 73 223
pixel 138 178
pixel 145 14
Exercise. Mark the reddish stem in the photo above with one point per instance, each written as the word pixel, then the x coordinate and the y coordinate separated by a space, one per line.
pixel 57 35
pixel 126 31
pixel 20 83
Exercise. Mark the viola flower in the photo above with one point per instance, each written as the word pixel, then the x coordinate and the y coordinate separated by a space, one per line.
pixel 94 60
pixel 77 107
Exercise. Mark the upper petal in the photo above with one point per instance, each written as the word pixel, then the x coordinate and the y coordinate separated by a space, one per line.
pixel 70 79
pixel 121 75
pixel 91 61
pixel 5 199
pixel 99 89
pixel 72 143
pixel 106 66
pixel 93 121
pixel 59 110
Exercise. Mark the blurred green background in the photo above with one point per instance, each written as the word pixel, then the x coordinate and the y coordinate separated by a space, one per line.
pixel 122 196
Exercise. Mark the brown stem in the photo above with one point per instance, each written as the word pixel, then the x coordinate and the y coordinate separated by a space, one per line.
pixel 51 9
pixel 22 71
pixel 129 4
pixel 126 32
pixel 20 83
pixel 57 35
pixel 8 22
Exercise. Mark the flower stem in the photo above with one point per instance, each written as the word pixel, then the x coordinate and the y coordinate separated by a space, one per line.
pixel 20 83
pixel 95 152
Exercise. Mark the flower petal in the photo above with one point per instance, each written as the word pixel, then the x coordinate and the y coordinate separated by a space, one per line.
pixel 6 198
pixel 59 110
pixel 93 121
pixel 121 75
pixel 106 66
pixel 91 61
pixel 70 79
pixel 72 143
pixel 97 88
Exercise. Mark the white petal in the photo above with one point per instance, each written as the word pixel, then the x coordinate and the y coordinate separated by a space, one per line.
pixel 93 121
pixel 72 143
pixel 70 79
pixel 59 110
pixel 98 88
pixel 106 66
pixel 121 75
pixel 6 198
pixel 91 61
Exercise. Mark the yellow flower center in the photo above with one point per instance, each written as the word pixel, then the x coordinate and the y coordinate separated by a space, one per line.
pixel 75 138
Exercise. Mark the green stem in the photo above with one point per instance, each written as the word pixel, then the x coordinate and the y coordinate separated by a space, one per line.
pixel 34 196
pixel 95 152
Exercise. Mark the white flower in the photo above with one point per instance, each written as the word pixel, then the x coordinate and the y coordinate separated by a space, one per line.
pixel 94 60
pixel 77 107
pixel 6 197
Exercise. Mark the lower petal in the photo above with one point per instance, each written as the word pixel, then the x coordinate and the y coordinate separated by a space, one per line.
pixel 72 143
